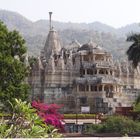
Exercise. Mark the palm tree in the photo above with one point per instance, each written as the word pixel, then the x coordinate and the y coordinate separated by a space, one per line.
pixel 133 52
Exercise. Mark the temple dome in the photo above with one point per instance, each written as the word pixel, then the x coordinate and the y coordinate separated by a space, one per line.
pixel 90 46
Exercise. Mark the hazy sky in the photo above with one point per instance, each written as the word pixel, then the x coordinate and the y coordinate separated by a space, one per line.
pixel 112 12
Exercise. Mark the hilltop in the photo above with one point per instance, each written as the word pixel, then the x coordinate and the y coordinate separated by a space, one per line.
pixel 35 33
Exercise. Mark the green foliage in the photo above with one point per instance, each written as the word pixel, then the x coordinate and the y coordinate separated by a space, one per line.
pixel 32 61
pixel 79 116
pixel 137 100
pixel 134 50
pixel 94 128
pixel 12 68
pixel 5 115
pixel 25 123
pixel 136 105
pixel 115 124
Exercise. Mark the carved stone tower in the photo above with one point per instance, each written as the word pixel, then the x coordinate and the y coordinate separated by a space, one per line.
pixel 52 44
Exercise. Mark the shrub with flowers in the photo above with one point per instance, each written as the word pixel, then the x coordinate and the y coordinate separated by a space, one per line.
pixel 50 114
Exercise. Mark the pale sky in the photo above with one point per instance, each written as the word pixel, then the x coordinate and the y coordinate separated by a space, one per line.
pixel 116 13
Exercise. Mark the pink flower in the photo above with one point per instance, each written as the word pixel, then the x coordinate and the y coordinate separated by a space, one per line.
pixel 50 114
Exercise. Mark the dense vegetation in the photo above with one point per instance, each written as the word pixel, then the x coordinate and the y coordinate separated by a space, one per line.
pixel 25 123
pixel 134 50
pixel 12 68
pixel 115 124
pixel 23 120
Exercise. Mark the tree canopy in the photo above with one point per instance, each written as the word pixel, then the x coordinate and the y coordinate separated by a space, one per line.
pixel 12 68
pixel 134 50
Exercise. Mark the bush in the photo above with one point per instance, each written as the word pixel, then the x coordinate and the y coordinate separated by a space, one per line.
pixel 116 124
pixel 25 123
pixel 49 113
pixel 79 116
pixel 94 128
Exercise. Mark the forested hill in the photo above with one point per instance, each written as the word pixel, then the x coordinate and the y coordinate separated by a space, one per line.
pixel 35 33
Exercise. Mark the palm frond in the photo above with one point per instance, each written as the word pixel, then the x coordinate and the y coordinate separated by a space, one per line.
pixel 133 51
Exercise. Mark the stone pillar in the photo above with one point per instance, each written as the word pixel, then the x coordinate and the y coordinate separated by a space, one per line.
pixel 108 72
pixel 93 57
pixel 108 59
pixel 113 73
pixel 97 71
pixel 103 88
pixel 120 89
pixel 77 88
pixel 85 71
pixel 82 59
pixel 104 58
pixel 97 88
pixel 87 88
pixel 114 88
pixel 127 76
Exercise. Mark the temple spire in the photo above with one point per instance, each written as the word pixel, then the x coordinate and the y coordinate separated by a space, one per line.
pixel 50 14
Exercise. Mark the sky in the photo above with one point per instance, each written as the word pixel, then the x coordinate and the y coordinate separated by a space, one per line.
pixel 116 13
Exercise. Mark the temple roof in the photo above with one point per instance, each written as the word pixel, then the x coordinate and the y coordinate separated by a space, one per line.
pixel 73 44
pixel 52 44
pixel 91 46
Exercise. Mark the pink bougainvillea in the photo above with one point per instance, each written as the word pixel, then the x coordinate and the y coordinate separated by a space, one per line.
pixel 50 114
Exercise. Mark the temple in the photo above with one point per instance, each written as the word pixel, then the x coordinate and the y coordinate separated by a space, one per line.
pixel 82 77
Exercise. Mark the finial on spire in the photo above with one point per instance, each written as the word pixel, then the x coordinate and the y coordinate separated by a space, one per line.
pixel 50 14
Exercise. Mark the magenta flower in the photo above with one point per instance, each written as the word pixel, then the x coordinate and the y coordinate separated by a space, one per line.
pixel 50 114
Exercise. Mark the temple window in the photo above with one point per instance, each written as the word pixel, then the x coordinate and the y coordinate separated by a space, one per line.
pixel 101 71
pixel 111 88
pixel 100 88
pixel 86 58
pixel 91 58
pixel 110 95
pixel 81 87
pixel 109 91
pixel 83 100
pixel 106 72
pixel 124 86
pixel 99 57
pixel 82 72
pixel 106 88
pixel 87 87
pixel 93 88
pixel 55 57
pixel 95 72
pixel 90 71
pixel 73 61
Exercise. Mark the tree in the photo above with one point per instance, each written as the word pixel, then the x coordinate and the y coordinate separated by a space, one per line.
pixel 134 50
pixel 136 105
pixel 12 68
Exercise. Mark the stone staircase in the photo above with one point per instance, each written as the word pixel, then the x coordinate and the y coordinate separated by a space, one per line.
pixel 118 101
